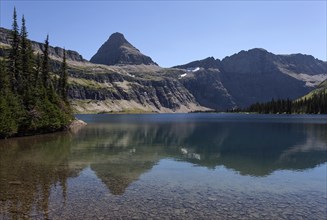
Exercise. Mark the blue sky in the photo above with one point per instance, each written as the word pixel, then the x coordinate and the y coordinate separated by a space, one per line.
pixel 177 32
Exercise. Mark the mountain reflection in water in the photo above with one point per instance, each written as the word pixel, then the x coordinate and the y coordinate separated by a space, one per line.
pixel 120 148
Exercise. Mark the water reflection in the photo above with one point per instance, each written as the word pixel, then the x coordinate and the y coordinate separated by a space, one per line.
pixel 119 152
pixel 30 167
pixel 256 149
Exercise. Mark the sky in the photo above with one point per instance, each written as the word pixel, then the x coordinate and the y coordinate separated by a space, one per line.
pixel 177 32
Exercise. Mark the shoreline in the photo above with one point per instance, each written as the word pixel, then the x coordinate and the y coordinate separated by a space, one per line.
pixel 192 112
pixel 72 127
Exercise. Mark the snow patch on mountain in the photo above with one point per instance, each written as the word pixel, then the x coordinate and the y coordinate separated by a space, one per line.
pixel 193 69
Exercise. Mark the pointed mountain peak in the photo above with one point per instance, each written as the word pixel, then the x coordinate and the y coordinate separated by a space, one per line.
pixel 118 51
pixel 118 37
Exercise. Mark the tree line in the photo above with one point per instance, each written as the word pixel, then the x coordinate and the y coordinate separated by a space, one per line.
pixel 316 104
pixel 32 98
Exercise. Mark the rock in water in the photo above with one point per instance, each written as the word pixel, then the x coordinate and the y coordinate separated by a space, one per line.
pixel 76 125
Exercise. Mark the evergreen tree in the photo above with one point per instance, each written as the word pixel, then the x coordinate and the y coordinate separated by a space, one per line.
pixel 26 61
pixel 14 54
pixel 314 105
pixel 45 65
pixel 63 84
pixel 8 104
pixel 30 104
pixel 4 78
pixel 37 72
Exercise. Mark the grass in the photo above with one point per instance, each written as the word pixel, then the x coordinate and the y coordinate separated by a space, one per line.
pixel 88 107
pixel 322 87
pixel 92 84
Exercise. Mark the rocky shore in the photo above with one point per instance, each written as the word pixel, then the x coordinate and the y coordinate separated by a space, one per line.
pixel 76 125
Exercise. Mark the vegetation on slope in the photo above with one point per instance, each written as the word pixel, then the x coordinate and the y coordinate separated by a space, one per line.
pixel 33 100
pixel 315 104
pixel 322 87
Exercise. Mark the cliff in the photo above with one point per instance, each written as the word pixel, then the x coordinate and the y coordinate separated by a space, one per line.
pixel 132 82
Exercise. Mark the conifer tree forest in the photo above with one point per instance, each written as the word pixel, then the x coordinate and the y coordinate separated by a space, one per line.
pixel 316 104
pixel 32 98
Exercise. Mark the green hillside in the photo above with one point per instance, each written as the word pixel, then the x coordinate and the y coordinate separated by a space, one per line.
pixel 322 87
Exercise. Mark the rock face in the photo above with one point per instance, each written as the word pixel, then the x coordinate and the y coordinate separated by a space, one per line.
pixel 257 60
pixel 118 91
pixel 252 76
pixel 131 82
pixel 207 63
pixel 54 52
pixel 207 88
pixel 117 50
pixel 258 76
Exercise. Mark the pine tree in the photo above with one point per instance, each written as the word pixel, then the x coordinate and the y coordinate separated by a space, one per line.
pixel 13 66
pixel 4 78
pixel 28 102
pixel 316 104
pixel 37 72
pixel 63 84
pixel 45 65
pixel 8 123
pixel 26 61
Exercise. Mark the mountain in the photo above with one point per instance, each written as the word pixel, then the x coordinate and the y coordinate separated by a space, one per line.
pixel 55 52
pixel 260 61
pixel 98 88
pixel 206 63
pixel 117 50
pixel 134 83
pixel 253 76
pixel 257 75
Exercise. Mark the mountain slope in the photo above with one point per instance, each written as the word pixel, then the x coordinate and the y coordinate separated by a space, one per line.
pixel 206 63
pixel 125 88
pixel 254 76
pixel 322 87
pixel 137 84
pixel 117 50
pixel 129 88
pixel 55 52
pixel 259 61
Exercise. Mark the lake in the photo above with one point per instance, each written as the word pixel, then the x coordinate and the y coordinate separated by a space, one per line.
pixel 169 166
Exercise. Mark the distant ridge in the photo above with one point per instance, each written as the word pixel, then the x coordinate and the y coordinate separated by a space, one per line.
pixel 255 75
pixel 54 52
pixel 118 51
pixel 206 63
pixel 236 81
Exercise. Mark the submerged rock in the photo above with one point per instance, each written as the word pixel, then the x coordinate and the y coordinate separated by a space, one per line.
pixel 76 125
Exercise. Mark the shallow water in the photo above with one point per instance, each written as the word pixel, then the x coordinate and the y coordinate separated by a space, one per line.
pixel 169 166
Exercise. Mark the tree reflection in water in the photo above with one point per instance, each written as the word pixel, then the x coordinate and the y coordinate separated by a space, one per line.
pixel 119 153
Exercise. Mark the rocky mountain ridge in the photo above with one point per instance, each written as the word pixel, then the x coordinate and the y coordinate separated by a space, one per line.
pixel 257 75
pixel 54 52
pixel 118 51
pixel 141 88
pixel 206 63
pixel 137 84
